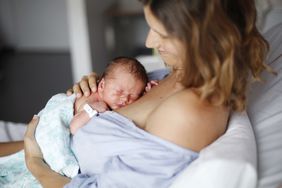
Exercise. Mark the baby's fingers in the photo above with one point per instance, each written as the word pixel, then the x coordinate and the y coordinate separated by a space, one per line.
pixel 148 87
pixel 154 82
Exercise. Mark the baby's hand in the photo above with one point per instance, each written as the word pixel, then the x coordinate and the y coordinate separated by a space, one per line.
pixel 100 106
pixel 151 84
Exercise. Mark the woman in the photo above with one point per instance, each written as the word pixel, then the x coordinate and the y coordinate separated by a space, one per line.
pixel 211 47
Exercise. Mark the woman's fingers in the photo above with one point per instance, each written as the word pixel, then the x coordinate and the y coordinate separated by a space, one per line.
pixel 84 86
pixel 87 85
pixel 69 92
pixel 76 89
pixel 92 80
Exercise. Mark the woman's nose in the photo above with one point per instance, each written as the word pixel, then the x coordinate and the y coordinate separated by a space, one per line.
pixel 152 40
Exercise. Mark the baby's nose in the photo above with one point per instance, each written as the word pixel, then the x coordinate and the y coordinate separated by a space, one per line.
pixel 124 100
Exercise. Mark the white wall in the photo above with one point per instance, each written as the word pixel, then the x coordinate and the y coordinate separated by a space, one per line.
pixel 97 28
pixel 35 24
pixel 100 26
pixel 7 31
pixel 43 25
pixel 79 39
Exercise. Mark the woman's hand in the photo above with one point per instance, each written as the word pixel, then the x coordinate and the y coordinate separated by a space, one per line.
pixel 35 163
pixel 86 86
pixel 32 151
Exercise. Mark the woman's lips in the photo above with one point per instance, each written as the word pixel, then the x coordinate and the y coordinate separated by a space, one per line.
pixel 162 52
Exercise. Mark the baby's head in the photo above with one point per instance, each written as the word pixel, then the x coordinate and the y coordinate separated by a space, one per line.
pixel 123 82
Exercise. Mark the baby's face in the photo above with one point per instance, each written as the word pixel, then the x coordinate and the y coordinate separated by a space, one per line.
pixel 120 89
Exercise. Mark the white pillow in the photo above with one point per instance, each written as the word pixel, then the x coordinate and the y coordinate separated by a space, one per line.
pixel 228 162
pixel 265 112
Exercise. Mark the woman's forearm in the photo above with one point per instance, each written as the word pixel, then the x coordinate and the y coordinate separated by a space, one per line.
pixel 47 177
pixel 35 162
pixel 7 148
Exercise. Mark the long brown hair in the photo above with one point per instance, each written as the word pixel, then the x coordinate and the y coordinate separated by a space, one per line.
pixel 223 45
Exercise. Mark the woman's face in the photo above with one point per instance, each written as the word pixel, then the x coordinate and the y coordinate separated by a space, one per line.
pixel 170 48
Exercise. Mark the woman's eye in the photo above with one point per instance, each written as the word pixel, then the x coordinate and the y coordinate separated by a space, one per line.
pixel 163 36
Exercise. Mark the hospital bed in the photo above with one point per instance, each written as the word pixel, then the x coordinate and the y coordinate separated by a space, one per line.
pixel 249 154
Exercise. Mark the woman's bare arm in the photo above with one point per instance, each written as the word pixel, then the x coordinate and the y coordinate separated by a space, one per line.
pixel 47 177
pixel 7 148
pixel 34 161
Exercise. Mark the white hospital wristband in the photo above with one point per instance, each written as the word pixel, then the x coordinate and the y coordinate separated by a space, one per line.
pixel 89 110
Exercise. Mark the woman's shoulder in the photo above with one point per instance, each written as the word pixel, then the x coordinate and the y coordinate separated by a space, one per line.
pixel 188 121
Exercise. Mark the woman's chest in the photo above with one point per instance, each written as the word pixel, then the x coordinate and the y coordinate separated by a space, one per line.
pixel 144 109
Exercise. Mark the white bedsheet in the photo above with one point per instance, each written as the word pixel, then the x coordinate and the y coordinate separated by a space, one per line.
pixel 10 131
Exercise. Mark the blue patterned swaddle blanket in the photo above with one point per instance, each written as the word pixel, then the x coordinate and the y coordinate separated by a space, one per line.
pixel 53 137
pixel 14 173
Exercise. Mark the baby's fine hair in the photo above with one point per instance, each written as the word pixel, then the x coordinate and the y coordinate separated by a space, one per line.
pixel 129 64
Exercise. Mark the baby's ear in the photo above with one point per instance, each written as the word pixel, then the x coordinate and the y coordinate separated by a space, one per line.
pixel 101 85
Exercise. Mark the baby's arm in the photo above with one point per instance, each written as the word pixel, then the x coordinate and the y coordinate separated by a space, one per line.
pixel 100 106
pixel 83 116
pixel 78 121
